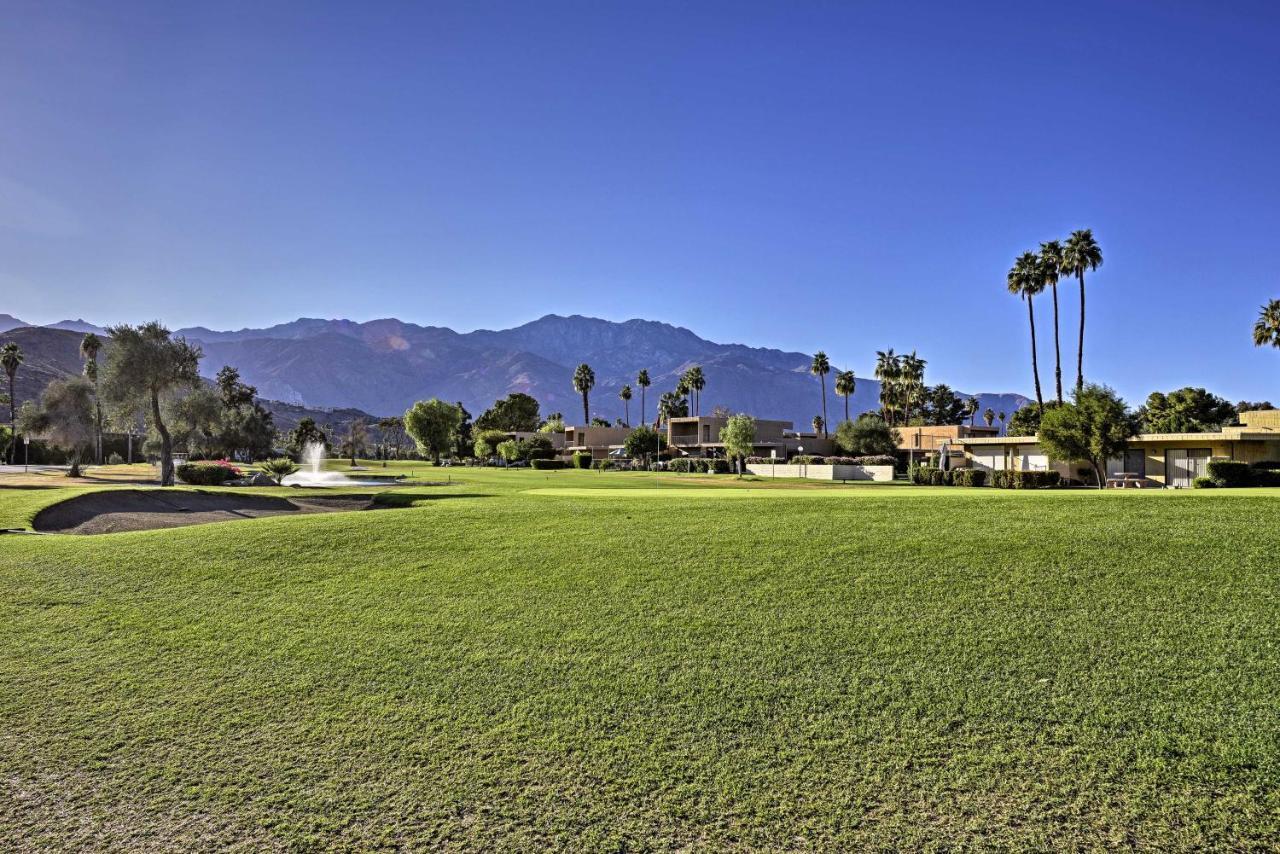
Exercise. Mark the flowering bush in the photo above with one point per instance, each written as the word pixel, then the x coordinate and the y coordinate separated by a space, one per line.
pixel 209 472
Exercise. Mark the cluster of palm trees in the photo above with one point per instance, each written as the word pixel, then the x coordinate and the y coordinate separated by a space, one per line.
pixel 672 403
pixel 1033 272
pixel 10 359
pixel 901 384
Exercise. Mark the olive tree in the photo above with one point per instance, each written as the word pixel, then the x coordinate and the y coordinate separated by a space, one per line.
pixel 64 418
pixel 1094 427
pixel 144 365
pixel 738 436
pixel 432 424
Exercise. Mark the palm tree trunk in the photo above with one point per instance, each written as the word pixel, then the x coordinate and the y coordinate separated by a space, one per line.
pixel 13 423
pixel 586 410
pixel 1080 346
pixel 626 411
pixel 846 407
pixel 1057 351
pixel 823 379
pixel 1035 362
pixel 641 404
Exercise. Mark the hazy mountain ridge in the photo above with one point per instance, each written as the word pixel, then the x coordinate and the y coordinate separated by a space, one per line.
pixel 382 366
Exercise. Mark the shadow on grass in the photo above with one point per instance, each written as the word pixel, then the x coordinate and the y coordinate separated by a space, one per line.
pixel 395 500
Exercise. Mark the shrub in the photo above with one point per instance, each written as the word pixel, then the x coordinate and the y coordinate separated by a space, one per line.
pixel 1229 473
pixel 718 466
pixel 937 477
pixel 115 460
pixel 1026 479
pixel 874 460
pixel 545 465
pixel 581 460
pixel 279 468
pixel 922 475
pixel 1266 477
pixel 679 465
pixel 208 473
pixel 1203 483
pixel 968 477
pixel 1267 465
pixel 805 460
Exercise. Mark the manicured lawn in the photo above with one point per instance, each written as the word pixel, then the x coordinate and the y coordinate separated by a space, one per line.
pixel 570 660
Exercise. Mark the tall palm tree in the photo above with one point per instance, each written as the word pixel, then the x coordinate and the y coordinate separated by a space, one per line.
pixel 1026 281
pixel 90 346
pixel 972 405
pixel 625 395
pixel 819 425
pixel 845 385
pixel 584 379
pixel 642 380
pixel 1001 417
pixel 10 359
pixel 1080 254
pixel 696 382
pixel 888 372
pixel 988 416
pixel 820 368
pixel 1051 268
pixel 911 379
pixel 1266 332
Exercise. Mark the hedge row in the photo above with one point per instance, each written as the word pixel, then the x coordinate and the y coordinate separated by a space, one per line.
pixel 1025 479
pixel 815 460
pixel 543 465
pixel 1232 473
pixel 213 473
pixel 699 465
pixel 934 476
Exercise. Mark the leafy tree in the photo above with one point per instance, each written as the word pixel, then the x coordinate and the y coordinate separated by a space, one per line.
pixel 868 435
pixel 584 379
pixel 642 380
pixel 64 418
pixel 515 413
pixel 1253 406
pixel 625 397
pixel 553 424
pixel 462 440
pixel 509 450
pixel 433 425
pixel 597 421
pixel 10 359
pixel 357 439
pixel 1094 427
pixel 1051 269
pixel 245 425
pixel 739 438
pixel 145 364
pixel 643 442
pixel 1187 410
pixel 1026 419
pixel 391 430
pixel 90 347
pixel 193 419
pixel 1081 254
pixel 820 367
pixel 940 405
pixel 306 433
pixel 846 383
pixel 1026 280
pixel 536 448
pixel 486 443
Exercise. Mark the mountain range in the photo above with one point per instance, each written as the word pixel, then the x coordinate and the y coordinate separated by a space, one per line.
pixel 382 366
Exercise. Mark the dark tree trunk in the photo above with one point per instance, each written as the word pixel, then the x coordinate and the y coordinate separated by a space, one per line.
pixel 1080 345
pixel 1035 362
pixel 166 443
pixel 823 379
pixel 641 404
pixel 12 450
pixel 1057 351
pixel 586 411
pixel 846 407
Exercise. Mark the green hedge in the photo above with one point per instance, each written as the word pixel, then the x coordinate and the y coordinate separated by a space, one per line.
pixel 544 465
pixel 1229 473
pixel 1203 483
pixel 1025 479
pixel 581 461
pixel 208 473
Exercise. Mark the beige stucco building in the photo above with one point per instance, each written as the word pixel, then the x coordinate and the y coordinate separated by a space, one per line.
pixel 1167 459
pixel 699 436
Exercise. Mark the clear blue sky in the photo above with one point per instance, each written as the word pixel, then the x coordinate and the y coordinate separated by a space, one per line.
pixel 846 176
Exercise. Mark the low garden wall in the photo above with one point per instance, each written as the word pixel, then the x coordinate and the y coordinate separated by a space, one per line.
pixel 821 472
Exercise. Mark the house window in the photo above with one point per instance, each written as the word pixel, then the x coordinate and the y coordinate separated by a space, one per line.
pixel 706 432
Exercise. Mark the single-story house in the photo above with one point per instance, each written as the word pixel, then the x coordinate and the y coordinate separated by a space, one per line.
pixel 1167 459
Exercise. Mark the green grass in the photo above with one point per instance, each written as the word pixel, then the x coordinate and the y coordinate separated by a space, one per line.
pixel 576 660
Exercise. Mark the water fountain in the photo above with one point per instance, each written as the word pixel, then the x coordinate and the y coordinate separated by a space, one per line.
pixel 312 472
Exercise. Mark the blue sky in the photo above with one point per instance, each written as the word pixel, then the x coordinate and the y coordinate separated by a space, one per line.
pixel 845 176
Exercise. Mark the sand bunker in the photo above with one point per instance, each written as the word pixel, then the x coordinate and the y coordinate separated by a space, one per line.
pixel 117 510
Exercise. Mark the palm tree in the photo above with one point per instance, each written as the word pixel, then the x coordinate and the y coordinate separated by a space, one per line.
pixel 845 385
pixel 1001 417
pixel 625 394
pixel 912 382
pixel 972 405
pixel 1266 332
pixel 1026 281
pixel 820 368
pixel 584 379
pixel 1080 254
pixel 642 380
pixel 696 381
pixel 989 415
pixel 90 346
pixel 10 359
pixel 1051 268
pixel 819 425
pixel 888 372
